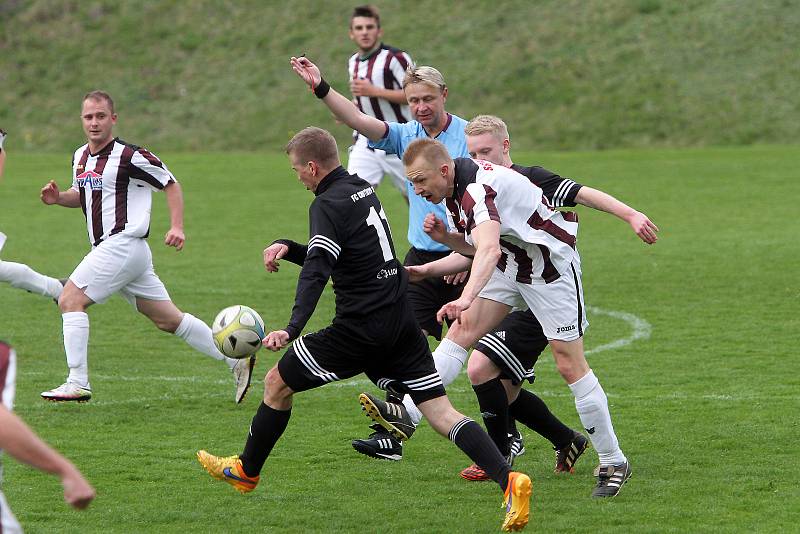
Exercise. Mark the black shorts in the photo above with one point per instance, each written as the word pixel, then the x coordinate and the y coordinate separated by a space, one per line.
pixel 429 295
pixel 387 346
pixel 514 346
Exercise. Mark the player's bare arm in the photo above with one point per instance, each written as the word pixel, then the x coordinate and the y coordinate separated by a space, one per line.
pixel 175 237
pixel 341 107
pixel 639 222
pixel 363 87
pixel 51 194
pixel 272 254
pixel 435 227
pixel 451 264
pixel 21 443
pixel 486 236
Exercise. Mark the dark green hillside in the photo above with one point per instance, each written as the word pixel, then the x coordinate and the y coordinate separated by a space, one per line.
pixel 197 75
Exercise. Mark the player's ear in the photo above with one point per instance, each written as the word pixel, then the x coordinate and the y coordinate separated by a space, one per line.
pixel 506 145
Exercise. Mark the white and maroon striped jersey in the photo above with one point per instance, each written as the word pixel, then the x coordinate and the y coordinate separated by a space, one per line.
pixel 116 187
pixel 385 68
pixel 537 241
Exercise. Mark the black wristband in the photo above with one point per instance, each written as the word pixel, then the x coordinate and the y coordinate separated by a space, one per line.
pixel 322 89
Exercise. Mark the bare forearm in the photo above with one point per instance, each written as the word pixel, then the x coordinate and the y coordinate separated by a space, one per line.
pixel 599 200
pixel 175 204
pixel 455 241
pixel 452 264
pixel 69 198
pixel 21 443
pixel 348 113
pixel 483 265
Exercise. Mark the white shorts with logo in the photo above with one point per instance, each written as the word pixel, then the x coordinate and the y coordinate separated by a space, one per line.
pixel 120 264
pixel 371 165
pixel 8 523
pixel 558 306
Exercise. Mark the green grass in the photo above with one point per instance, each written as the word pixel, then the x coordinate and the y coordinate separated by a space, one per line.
pixel 214 75
pixel 705 408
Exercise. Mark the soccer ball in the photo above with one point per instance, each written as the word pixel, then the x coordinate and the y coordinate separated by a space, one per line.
pixel 238 331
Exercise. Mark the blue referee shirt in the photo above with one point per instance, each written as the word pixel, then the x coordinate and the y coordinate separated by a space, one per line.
pixel 397 138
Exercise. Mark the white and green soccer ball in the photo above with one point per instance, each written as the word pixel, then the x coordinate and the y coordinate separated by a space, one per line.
pixel 238 331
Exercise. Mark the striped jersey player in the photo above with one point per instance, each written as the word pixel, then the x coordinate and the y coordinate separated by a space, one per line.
pixel 112 183
pixel 376 74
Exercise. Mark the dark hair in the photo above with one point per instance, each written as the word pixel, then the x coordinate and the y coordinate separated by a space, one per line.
pixel 367 10
pixel 99 95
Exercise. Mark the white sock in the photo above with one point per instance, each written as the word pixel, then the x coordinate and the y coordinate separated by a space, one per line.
pixel 23 277
pixel 592 405
pixel 198 335
pixel 449 358
pixel 76 345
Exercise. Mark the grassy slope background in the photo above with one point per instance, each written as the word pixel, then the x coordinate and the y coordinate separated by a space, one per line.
pixel 206 75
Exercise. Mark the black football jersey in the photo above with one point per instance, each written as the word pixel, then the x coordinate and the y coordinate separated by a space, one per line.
pixel 351 243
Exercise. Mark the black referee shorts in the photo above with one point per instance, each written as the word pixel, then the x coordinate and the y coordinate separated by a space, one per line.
pixel 514 346
pixel 387 345
pixel 427 296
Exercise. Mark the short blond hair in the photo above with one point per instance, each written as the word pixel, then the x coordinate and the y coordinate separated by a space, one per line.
pixel 430 150
pixel 490 124
pixel 426 75
pixel 314 144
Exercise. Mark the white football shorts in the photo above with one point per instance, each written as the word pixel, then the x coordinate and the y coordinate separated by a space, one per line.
pixel 120 264
pixel 558 306
pixel 8 523
pixel 371 165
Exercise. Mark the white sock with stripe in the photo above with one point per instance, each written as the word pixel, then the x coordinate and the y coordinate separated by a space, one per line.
pixel 76 346
pixel 592 405
pixel 198 335
pixel 23 277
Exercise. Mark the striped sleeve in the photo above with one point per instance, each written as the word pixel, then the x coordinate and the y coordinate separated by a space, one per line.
pixel 560 192
pixel 479 205
pixel 399 64
pixel 147 168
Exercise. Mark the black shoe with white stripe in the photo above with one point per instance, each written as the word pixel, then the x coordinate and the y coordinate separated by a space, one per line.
pixel 569 454
pixel 610 479
pixel 380 444
pixel 392 417
pixel 516 447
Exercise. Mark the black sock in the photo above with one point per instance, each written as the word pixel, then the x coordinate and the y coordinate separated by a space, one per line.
pixel 512 426
pixel 265 430
pixel 470 438
pixel 532 412
pixel 493 402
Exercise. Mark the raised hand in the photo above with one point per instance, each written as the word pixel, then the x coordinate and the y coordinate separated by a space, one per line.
pixel 309 72
pixel 50 193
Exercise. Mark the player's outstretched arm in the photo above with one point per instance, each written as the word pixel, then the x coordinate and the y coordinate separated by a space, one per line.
pixel 50 195
pixel 175 236
pixel 639 222
pixel 451 264
pixel 21 443
pixel 341 107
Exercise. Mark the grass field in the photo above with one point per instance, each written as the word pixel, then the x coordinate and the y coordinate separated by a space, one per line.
pixel 705 407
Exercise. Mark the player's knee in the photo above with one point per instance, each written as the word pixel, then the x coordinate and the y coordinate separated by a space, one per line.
pixel 275 389
pixel 480 368
pixel 463 332
pixel 71 299
pixel 571 367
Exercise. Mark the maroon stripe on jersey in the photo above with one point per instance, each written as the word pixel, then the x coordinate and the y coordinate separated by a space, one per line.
pixel 468 205
pixel 355 76
pixel 502 263
pixel 401 58
pixel 154 161
pixel 549 272
pixel 524 262
pixel 79 170
pixel 97 201
pixel 490 205
pixel 123 181
pixel 452 207
pixel 570 216
pixel 389 83
pixel 5 363
pixel 376 107
pixel 537 223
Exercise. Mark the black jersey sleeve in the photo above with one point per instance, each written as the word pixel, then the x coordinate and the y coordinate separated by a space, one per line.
pixel 297 251
pixel 559 191
pixel 322 253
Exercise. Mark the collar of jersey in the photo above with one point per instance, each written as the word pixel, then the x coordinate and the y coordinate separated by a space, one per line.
pixel 364 58
pixel 331 177
pixel 105 149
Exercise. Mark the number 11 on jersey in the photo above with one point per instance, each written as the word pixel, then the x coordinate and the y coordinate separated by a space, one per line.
pixel 375 221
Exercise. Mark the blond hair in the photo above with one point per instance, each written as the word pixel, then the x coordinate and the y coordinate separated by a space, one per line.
pixel 314 144
pixel 490 124
pixel 430 150
pixel 426 75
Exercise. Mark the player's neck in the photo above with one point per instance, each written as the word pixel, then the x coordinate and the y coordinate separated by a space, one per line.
pixel 95 147
pixel 507 161
pixel 366 53
pixel 433 131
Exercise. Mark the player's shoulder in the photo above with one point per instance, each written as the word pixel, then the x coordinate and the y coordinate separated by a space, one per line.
pixel 132 146
pixel 393 50
pixel 534 172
